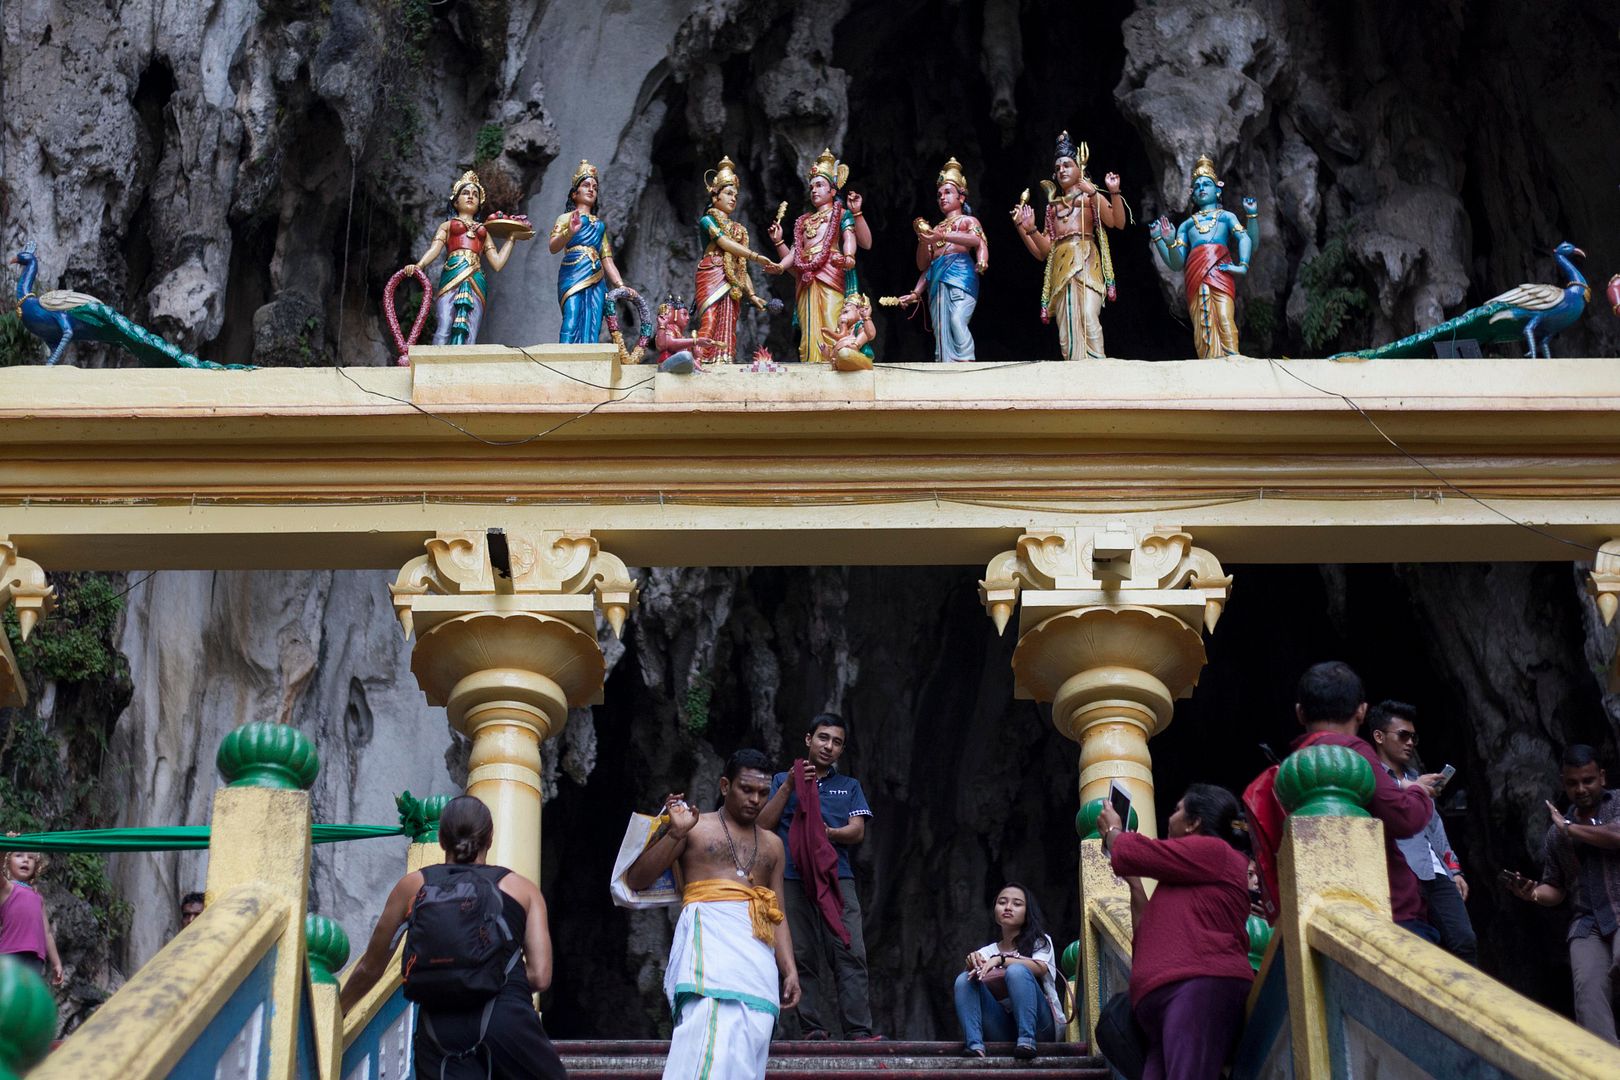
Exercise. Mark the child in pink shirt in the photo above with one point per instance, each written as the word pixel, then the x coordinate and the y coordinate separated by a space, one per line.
pixel 25 932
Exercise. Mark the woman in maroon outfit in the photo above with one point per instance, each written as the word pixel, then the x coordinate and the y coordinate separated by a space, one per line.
pixel 1190 970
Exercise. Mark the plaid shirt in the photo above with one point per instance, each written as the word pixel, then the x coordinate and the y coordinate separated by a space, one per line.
pixel 1589 876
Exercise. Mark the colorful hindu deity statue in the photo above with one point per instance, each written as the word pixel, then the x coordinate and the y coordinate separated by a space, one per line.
pixel 722 272
pixel 848 345
pixel 951 256
pixel 823 253
pixel 587 266
pixel 468 245
pixel 1079 267
pixel 678 351
pixel 1203 249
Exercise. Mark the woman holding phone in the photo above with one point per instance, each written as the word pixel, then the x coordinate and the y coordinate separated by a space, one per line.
pixel 1008 990
pixel 1190 970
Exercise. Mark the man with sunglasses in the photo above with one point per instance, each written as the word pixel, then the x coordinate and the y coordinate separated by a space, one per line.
pixel 1392 726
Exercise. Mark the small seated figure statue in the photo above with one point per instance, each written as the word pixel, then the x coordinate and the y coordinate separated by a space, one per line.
pixel 951 256
pixel 678 351
pixel 849 345
pixel 1202 250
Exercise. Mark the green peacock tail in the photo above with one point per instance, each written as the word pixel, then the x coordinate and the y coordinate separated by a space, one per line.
pixel 1472 325
pixel 147 347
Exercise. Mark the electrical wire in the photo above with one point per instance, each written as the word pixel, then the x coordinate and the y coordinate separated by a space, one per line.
pixel 1503 514
pixel 500 442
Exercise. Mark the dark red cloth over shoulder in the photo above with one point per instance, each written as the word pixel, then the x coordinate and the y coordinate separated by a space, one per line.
pixel 813 852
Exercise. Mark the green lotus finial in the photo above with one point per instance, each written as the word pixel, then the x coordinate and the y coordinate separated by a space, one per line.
pixel 1325 781
pixel 1069 962
pixel 268 756
pixel 1085 822
pixel 327 946
pixel 27 1018
pixel 1259 939
pixel 420 817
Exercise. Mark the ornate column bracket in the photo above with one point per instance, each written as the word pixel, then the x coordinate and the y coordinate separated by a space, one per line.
pixel 1603 585
pixel 1110 631
pixel 23 585
pixel 1115 565
pixel 506 642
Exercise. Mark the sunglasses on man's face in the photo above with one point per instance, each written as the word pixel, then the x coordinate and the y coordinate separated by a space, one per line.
pixel 1406 736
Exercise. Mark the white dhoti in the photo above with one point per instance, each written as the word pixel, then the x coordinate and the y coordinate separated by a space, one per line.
pixel 722 988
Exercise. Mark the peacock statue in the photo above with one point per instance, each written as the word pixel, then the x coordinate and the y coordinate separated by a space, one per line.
pixel 61 316
pixel 1535 312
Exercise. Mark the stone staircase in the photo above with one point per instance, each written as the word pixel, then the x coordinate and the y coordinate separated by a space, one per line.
pixel 644 1060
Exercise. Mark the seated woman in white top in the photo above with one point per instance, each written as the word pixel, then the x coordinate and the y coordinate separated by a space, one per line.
pixel 1008 990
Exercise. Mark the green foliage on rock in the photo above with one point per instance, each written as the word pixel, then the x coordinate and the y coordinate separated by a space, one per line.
pixel 491 141
pixel 1332 296
pixel 695 705
pixel 17 345
pixel 51 766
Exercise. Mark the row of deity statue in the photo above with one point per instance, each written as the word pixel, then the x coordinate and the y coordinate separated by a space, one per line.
pixel 832 313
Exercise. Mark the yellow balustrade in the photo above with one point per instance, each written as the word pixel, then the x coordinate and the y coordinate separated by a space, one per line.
pixel 231 983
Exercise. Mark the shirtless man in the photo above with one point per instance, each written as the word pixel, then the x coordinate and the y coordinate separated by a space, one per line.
pixel 731 952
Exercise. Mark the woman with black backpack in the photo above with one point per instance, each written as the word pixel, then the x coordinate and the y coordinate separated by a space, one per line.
pixel 466 926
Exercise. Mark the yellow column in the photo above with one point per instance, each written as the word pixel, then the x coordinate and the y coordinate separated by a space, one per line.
pixel 1110 632
pixel 506 642
pixel 22 583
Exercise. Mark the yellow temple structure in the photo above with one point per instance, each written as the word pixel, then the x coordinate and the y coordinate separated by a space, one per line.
pixel 511 489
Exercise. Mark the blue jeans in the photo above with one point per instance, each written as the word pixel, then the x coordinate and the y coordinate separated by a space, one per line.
pixel 983 1016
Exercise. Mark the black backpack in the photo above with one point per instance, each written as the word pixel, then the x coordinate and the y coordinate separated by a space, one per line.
pixel 458 949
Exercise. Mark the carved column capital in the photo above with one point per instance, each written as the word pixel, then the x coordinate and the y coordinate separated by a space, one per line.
pixel 23 585
pixel 506 642
pixel 1603 585
pixel 1110 631
pixel 1603 582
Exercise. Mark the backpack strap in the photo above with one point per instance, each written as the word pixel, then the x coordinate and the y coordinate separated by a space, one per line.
pixel 431 875
pixel 446 1057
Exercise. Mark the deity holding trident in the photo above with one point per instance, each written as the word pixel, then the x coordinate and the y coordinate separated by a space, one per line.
pixel 1079 267
pixel 1202 250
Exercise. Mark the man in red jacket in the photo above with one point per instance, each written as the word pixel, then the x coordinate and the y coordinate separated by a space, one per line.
pixel 1331 704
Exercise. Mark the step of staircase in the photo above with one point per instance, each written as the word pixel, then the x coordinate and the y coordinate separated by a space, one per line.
pixel 893 1060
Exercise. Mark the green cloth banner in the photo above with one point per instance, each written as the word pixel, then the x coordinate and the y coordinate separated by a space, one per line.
pixel 172 838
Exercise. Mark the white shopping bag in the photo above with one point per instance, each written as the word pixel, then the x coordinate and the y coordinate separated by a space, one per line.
pixel 637 835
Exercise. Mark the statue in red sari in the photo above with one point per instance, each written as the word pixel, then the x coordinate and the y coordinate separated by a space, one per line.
pixel 722 272
pixel 1210 249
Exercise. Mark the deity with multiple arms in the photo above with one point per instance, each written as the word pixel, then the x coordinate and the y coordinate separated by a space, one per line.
pixel 951 256
pixel 722 272
pixel 1202 249
pixel 459 298
pixel 1079 266
pixel 581 235
pixel 823 253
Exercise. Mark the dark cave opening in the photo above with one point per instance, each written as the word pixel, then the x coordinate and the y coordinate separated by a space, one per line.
pixel 971 788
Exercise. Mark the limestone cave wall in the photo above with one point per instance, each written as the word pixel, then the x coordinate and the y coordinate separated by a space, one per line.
pixel 243 176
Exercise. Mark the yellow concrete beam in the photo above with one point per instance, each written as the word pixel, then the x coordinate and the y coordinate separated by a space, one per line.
pixel 290 468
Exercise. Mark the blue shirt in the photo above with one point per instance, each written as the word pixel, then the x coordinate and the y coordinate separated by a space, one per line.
pixel 841 800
